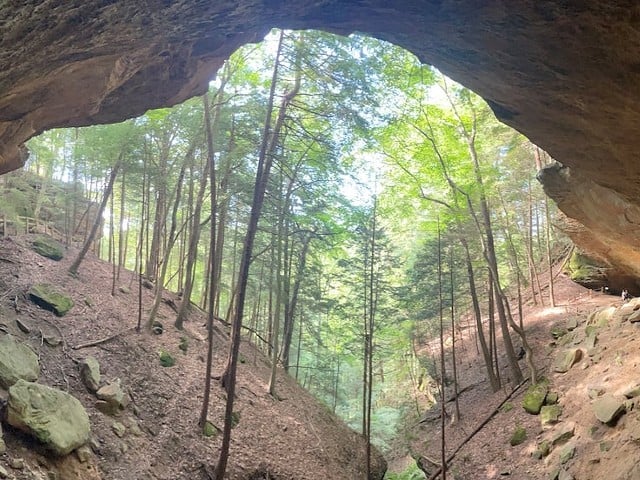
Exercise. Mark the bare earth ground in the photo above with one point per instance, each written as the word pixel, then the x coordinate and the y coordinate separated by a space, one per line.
pixel 601 451
pixel 295 438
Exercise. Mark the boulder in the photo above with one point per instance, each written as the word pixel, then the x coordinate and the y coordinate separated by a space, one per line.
pixel 52 416
pixel 565 360
pixel 48 247
pixel 45 296
pixel 635 317
pixel 550 414
pixel 17 361
pixel 90 373
pixel 572 323
pixel 534 398
pixel 607 408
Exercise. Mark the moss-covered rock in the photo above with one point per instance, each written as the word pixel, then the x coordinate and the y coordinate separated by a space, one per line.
pixel 52 416
pixel 17 361
pixel 519 435
pixel 586 271
pixel 550 414
pixel 46 296
pixel 534 398
pixel 166 360
pixel 48 247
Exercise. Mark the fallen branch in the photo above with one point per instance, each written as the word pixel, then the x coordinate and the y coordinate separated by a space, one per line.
pixel 100 341
pixel 435 474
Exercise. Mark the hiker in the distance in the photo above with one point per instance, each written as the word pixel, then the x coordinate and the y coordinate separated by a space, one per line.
pixel 625 295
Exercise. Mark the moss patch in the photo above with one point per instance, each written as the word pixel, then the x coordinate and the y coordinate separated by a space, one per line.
pixel 166 360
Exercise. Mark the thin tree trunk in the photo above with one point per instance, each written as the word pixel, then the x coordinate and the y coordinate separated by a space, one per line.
pixel 73 269
pixel 265 159
pixel 442 364
pixel 453 339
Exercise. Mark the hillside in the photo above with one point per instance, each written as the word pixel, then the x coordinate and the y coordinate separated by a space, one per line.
pixel 294 438
pixel 606 372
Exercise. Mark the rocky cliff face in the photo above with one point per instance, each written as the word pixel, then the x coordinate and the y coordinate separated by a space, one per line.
pixel 564 73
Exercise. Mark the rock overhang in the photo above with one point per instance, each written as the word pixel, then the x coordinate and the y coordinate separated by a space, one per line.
pixel 566 74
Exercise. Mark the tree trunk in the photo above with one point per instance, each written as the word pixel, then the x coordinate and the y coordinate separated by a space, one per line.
pixel 73 269
pixel 262 175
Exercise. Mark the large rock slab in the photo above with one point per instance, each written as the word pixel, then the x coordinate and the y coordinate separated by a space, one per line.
pixel 75 66
pixel 48 247
pixel 17 361
pixel 52 416
pixel 49 298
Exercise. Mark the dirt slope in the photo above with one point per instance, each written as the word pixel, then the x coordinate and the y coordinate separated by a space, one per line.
pixel 295 438
pixel 601 451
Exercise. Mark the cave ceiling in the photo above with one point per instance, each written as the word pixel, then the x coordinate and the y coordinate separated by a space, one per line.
pixel 565 73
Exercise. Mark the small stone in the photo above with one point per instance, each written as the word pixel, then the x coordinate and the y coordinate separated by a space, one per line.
pixel 605 446
pixel 118 428
pixel 543 450
pixel 124 289
pixel 550 414
pixel 557 332
pixel 565 360
pixel 23 326
pixel 112 394
pixel 534 398
pixel 634 317
pixel 3 446
pixel 135 429
pixel 84 454
pixel 519 436
pixel 52 339
pixel 590 341
pixel 551 399
pixel 16 463
pixel 567 453
pixel 564 434
pixel 95 446
pixel 564 475
pixel 595 392
pixel 3 472
pixel 572 323
pixel 90 373
pixel 166 360
pixel 632 392
pixel 209 430
pixel 607 409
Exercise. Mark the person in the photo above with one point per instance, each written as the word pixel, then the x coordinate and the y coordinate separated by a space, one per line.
pixel 625 295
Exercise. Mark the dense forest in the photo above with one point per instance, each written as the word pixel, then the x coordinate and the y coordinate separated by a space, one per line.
pixel 340 205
